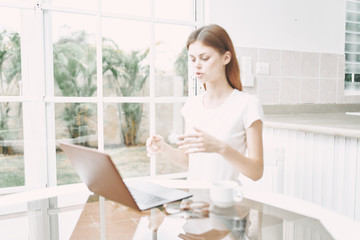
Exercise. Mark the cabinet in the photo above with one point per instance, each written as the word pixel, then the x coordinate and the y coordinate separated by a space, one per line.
pixel 319 167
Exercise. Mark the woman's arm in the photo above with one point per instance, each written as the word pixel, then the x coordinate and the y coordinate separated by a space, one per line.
pixel 156 144
pixel 251 166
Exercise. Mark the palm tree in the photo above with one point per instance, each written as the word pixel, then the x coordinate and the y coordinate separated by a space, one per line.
pixel 75 75
pixel 129 74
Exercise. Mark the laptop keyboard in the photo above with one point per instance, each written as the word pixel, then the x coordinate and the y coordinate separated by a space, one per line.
pixel 144 197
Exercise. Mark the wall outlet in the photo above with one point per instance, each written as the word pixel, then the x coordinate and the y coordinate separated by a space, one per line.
pixel 262 68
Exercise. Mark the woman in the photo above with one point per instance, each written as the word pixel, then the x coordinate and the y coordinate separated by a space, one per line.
pixel 223 123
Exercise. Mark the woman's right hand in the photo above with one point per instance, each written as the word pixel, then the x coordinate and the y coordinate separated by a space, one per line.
pixel 154 144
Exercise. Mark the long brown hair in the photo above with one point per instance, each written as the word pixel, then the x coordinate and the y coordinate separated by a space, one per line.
pixel 216 37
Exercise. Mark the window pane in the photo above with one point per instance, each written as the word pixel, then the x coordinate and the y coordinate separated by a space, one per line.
pixel 175 9
pixel 352 37
pixel 357 78
pixel 355 17
pixel 126 129
pixel 10 58
pixel 11 145
pixel 75 123
pixel 79 4
pixel 352 47
pixel 169 123
pixel 134 7
pixel 74 55
pixel 352 57
pixel 352 88
pixel 171 64
pixel 352 68
pixel 126 47
pixel 352 6
pixel 355 27
pixel 348 77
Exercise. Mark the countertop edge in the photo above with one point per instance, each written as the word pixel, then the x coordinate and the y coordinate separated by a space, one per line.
pixel 336 131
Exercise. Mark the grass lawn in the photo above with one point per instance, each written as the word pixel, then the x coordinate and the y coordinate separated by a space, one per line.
pixel 11 170
pixel 130 161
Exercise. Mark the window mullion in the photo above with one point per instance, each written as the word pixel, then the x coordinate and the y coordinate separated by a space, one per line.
pixel 32 66
pixel 50 106
pixel 100 104
pixel 152 122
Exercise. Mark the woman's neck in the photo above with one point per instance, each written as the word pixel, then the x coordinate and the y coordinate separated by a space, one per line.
pixel 218 89
pixel 215 96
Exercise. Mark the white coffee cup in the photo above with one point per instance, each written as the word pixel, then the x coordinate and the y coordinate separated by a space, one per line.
pixel 223 193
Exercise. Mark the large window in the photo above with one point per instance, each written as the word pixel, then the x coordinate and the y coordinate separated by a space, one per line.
pixel 11 127
pixel 101 73
pixel 352 48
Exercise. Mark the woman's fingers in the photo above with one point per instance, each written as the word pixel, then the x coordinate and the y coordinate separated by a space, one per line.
pixel 153 145
pixel 188 136
pixel 149 141
pixel 153 139
pixel 187 141
pixel 191 145
pixel 194 150
pixel 196 134
pixel 192 142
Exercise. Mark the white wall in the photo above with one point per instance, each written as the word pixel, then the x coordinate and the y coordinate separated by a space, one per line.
pixel 300 25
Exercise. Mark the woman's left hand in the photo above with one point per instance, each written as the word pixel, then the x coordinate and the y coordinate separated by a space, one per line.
pixel 199 141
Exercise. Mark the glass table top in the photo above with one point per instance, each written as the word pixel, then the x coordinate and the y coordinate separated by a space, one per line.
pixel 72 212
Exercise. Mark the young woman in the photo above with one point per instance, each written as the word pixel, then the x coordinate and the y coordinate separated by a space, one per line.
pixel 223 136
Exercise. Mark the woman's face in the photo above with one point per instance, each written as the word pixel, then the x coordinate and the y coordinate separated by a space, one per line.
pixel 207 64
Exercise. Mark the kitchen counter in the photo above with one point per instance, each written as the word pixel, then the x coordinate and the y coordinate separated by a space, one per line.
pixel 338 124
pixel 316 157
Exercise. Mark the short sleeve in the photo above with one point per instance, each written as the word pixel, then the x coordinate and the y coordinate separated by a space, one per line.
pixel 254 111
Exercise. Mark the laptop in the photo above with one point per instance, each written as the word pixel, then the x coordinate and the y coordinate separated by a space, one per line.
pixel 99 173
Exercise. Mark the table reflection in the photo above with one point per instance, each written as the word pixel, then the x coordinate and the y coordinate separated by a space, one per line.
pixel 78 215
pixel 247 220
pixel 48 217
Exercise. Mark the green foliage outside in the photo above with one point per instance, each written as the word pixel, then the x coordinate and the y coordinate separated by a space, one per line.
pixel 12 171
pixel 10 74
pixel 128 73
pixel 181 68
pixel 75 75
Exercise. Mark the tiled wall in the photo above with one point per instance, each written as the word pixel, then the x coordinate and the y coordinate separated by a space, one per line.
pixel 298 77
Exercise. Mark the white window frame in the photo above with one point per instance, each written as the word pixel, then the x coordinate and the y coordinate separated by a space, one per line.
pixel 38 88
pixel 349 91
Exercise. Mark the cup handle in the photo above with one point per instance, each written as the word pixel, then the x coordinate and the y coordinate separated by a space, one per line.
pixel 238 194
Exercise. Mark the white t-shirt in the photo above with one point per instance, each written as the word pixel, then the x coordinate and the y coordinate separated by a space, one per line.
pixel 227 123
